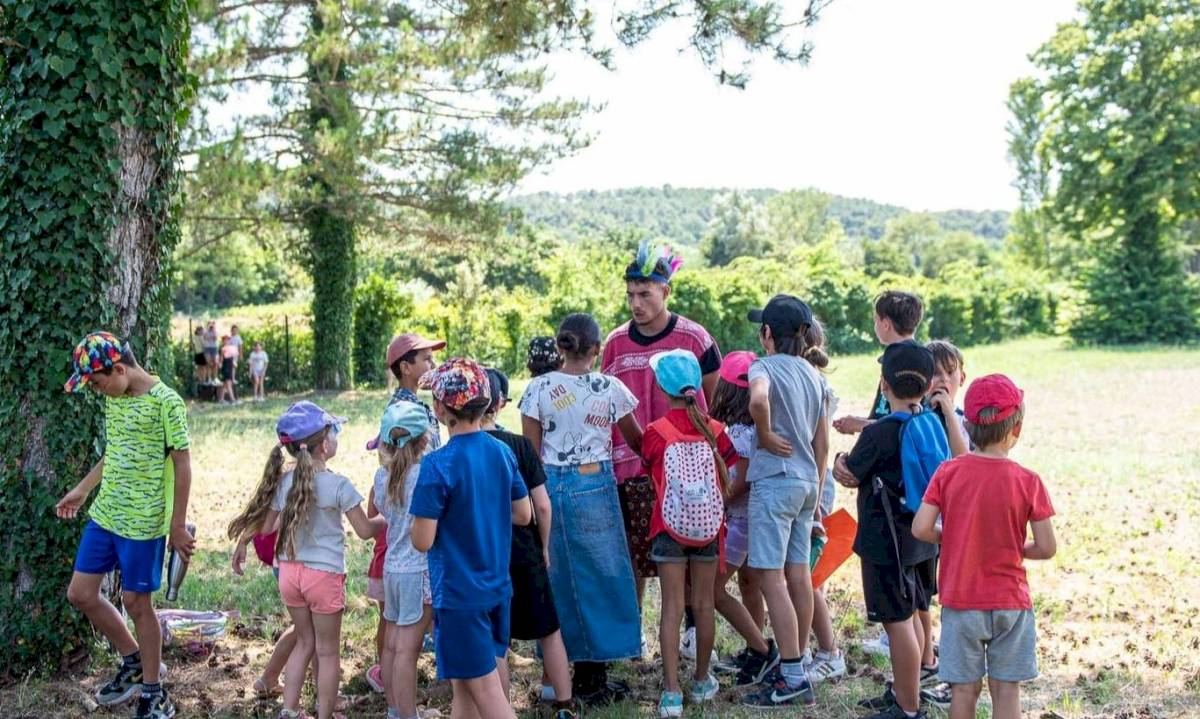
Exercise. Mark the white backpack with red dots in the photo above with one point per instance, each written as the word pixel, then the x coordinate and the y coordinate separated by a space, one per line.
pixel 693 508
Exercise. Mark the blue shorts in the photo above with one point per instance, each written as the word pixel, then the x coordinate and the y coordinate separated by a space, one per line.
pixel 467 642
pixel 140 560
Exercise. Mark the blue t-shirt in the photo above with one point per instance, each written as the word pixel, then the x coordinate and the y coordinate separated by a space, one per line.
pixel 469 486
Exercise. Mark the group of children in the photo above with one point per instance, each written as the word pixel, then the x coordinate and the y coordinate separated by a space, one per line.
pixel 494 535
pixel 216 362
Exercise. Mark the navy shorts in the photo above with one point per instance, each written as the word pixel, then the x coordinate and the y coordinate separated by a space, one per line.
pixel 468 642
pixel 140 560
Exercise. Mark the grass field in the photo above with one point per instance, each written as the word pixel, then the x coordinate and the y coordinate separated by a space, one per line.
pixel 1112 432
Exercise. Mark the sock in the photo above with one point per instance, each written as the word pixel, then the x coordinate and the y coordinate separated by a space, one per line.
pixel 393 713
pixel 150 690
pixel 689 619
pixel 132 660
pixel 909 714
pixel 793 672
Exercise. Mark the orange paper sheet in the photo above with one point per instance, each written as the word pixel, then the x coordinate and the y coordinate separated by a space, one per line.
pixel 839 545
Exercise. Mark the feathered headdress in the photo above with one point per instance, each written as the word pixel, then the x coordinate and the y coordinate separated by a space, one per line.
pixel 653 262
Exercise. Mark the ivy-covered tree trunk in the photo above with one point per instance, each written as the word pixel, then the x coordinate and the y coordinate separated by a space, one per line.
pixel 330 161
pixel 91 99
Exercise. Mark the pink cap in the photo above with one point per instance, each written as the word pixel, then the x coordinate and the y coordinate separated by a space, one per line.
pixel 736 366
pixel 408 342
pixel 993 391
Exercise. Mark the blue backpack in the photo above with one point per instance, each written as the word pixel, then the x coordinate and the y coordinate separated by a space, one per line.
pixel 923 447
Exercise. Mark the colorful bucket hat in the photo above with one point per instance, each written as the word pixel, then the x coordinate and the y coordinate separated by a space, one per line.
pixel 409 416
pixel 456 382
pixel 302 420
pixel 96 352
pixel 677 372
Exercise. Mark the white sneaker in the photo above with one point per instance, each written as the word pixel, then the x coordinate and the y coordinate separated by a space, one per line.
pixel 687 645
pixel 545 693
pixel 826 666
pixel 645 647
pixel 879 645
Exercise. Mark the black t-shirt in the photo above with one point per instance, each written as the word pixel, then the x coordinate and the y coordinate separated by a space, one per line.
pixel 526 542
pixel 877 454
pixel 709 363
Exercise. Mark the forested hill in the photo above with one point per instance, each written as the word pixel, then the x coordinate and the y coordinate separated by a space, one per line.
pixel 682 213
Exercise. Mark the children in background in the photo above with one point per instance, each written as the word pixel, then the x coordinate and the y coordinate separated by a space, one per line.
pixel 308 504
pixel 258 370
pixel 567 414
pixel 785 471
pixel 229 353
pixel 897 315
pixel 827 663
pixel 533 614
pixel 198 358
pixel 468 496
pixel 884 542
pixel 985 502
pixel 688 455
pixel 402 441
pixel 212 350
pixel 949 373
pixel 731 406
pixel 542 357
pixel 144 476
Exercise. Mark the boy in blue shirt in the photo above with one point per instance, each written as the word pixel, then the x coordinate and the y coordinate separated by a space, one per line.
pixel 468 496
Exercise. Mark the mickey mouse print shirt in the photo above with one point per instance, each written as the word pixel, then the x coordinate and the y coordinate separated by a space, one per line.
pixel 577 413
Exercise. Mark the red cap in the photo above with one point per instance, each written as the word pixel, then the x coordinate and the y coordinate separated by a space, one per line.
pixel 408 342
pixel 736 366
pixel 993 391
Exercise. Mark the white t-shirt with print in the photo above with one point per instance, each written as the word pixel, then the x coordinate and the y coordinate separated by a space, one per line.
pixel 743 438
pixel 577 413
pixel 258 361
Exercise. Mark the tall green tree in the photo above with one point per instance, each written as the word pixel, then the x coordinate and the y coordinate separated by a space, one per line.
pixel 799 217
pixel 738 228
pixel 92 95
pixel 411 118
pixel 1113 121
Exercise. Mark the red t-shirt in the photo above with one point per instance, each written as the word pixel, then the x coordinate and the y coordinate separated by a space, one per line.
pixel 986 506
pixel 627 355
pixel 653 446
pixel 375 571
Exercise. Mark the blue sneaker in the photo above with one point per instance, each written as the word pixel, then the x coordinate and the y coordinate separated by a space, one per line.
pixel 670 705
pixel 704 691
pixel 776 693
pixel 427 644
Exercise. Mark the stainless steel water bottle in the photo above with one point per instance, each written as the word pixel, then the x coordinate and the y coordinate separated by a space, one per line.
pixel 177 568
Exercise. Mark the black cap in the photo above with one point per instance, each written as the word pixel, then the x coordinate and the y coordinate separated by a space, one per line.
pixel 786 315
pixel 908 366
pixel 498 384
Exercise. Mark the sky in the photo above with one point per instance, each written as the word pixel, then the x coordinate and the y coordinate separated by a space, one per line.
pixel 902 103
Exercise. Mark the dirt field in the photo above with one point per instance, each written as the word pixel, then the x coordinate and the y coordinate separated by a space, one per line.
pixel 1112 432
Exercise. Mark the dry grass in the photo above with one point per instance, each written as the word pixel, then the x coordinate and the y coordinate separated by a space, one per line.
pixel 1111 431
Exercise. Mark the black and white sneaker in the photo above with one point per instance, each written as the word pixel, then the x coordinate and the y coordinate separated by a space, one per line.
pixel 879 703
pixel 776 693
pixel 155 706
pixel 895 712
pixel 939 695
pixel 733 664
pixel 758 666
pixel 122 688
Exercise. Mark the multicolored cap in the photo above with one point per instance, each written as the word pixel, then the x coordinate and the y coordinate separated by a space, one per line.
pixel 456 382
pixel 654 263
pixel 677 372
pixel 409 416
pixel 96 352
pixel 302 420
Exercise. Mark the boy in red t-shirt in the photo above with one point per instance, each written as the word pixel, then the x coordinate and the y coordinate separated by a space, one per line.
pixel 986 501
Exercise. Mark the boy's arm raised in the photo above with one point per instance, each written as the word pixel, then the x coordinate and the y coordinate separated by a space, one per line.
pixel 68 507
pixel 1043 546
pixel 179 538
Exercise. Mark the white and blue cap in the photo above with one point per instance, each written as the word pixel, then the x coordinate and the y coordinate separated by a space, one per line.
pixel 677 372
pixel 302 420
pixel 409 416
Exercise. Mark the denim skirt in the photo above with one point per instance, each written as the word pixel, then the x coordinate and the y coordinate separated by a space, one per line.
pixel 590 571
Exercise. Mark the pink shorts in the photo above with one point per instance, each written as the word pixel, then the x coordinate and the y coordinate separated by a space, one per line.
pixel 320 591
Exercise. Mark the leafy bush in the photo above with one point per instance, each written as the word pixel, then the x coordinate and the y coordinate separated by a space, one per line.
pixel 379 306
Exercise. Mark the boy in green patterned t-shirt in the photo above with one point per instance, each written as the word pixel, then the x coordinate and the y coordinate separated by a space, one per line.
pixel 144 477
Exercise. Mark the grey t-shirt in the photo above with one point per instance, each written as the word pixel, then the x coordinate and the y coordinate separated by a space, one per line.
pixel 321 541
pixel 401 557
pixel 796 406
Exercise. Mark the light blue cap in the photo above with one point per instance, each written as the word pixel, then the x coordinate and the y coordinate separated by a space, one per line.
pixel 676 372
